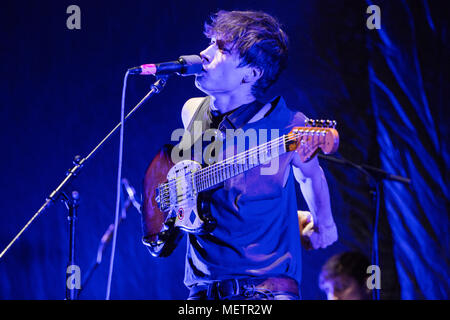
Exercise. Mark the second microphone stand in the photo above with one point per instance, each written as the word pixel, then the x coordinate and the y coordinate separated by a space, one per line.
pixel 377 175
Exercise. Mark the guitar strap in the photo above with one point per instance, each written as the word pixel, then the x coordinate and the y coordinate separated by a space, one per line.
pixel 211 119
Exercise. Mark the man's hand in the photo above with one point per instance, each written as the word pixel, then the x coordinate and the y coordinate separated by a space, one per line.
pixel 324 235
pixel 315 236
pixel 306 225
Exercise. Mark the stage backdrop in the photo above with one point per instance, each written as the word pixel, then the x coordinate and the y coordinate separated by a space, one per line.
pixel 61 91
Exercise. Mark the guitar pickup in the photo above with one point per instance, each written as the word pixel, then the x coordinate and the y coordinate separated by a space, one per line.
pixel 161 197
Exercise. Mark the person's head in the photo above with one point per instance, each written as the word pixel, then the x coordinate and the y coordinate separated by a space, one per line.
pixel 248 51
pixel 344 276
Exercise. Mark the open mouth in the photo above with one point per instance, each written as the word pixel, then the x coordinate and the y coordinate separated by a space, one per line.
pixel 202 72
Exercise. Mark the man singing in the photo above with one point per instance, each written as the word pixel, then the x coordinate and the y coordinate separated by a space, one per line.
pixel 254 250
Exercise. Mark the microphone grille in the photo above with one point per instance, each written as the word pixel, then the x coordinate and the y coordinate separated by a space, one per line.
pixel 192 64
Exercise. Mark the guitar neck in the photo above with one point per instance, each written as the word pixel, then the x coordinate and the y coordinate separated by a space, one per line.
pixel 306 141
pixel 221 171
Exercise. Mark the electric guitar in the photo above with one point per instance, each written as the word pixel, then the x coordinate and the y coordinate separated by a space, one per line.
pixel 174 194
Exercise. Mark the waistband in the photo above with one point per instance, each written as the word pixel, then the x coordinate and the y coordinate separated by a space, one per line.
pixel 245 287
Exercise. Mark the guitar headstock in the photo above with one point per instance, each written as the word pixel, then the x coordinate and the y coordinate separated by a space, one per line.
pixel 315 135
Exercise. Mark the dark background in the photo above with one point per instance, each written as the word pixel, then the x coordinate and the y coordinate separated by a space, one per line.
pixel 60 93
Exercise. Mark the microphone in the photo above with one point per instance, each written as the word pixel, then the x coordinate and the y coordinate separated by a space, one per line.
pixel 185 66
pixel 131 194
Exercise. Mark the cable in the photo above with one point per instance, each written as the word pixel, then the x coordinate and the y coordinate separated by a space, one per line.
pixel 119 186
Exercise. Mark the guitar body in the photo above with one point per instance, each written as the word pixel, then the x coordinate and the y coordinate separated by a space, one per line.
pixel 185 209
pixel 152 217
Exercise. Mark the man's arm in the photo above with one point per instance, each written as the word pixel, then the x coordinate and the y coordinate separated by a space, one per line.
pixel 315 191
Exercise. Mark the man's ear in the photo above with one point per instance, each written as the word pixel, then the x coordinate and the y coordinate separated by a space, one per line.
pixel 252 75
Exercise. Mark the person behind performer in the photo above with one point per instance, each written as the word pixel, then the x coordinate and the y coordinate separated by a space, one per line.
pixel 253 252
pixel 344 277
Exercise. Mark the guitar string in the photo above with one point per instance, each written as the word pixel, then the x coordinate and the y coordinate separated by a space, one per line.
pixel 201 174
pixel 221 165
pixel 251 152
pixel 205 172
pixel 166 196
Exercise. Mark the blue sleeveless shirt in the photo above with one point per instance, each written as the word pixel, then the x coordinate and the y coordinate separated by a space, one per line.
pixel 257 232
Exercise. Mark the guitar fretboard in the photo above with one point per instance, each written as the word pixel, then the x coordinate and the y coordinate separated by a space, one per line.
pixel 306 140
pixel 217 173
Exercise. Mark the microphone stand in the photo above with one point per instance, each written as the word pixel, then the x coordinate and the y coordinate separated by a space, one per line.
pixel 373 172
pixel 79 162
pixel 377 175
pixel 72 206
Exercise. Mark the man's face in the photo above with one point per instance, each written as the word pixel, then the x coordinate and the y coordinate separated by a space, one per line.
pixel 344 288
pixel 221 74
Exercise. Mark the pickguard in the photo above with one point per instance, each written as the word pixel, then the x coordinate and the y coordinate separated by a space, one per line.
pixel 183 196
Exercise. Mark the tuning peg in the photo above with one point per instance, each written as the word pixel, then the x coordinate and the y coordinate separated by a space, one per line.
pixel 330 124
pixel 320 123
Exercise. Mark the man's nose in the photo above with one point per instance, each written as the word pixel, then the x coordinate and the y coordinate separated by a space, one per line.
pixel 207 55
